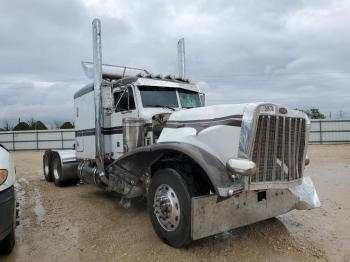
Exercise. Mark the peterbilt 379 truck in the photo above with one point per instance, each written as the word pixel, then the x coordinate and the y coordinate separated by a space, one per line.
pixel 203 169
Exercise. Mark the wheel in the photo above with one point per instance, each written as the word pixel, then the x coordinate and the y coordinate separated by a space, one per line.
pixel 57 171
pixel 46 167
pixel 169 206
pixel 7 244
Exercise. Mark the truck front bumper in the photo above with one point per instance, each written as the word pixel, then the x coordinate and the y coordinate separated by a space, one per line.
pixel 7 211
pixel 211 216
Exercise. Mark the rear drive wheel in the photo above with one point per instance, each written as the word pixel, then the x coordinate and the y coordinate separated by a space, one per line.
pixel 7 244
pixel 169 207
pixel 46 167
pixel 57 171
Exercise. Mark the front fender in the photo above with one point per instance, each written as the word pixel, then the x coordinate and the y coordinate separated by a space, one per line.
pixel 140 159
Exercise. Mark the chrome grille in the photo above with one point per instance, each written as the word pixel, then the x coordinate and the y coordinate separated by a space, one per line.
pixel 278 149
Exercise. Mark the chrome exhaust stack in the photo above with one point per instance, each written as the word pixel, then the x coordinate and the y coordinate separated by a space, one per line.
pixel 99 114
pixel 181 58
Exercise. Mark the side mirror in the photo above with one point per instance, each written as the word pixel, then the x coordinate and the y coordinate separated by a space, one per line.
pixel 107 97
pixel 202 98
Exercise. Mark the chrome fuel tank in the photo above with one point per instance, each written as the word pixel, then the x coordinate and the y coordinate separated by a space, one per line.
pixel 133 135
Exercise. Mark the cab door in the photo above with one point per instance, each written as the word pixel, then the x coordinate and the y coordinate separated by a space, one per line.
pixel 125 107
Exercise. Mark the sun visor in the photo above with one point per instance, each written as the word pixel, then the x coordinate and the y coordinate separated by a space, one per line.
pixel 112 71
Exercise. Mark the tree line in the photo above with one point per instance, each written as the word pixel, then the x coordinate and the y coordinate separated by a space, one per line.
pixel 313 113
pixel 34 125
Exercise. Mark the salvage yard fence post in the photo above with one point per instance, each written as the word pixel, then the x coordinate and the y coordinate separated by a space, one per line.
pixel 320 132
pixel 37 140
pixel 62 145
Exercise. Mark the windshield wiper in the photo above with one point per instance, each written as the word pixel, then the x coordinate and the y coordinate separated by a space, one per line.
pixel 164 106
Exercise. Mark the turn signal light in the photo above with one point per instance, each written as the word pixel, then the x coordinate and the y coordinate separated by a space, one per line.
pixel 3 175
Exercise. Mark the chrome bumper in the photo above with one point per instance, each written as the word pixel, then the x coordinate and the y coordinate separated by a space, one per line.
pixel 210 216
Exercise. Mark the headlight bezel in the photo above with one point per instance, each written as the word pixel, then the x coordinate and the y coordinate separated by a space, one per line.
pixel 241 167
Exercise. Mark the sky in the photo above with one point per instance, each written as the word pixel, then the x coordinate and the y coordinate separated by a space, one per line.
pixel 287 52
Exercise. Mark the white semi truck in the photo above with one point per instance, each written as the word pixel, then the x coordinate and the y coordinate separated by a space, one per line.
pixel 204 169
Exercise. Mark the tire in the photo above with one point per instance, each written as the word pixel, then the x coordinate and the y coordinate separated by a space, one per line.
pixel 47 168
pixel 7 244
pixel 176 230
pixel 57 171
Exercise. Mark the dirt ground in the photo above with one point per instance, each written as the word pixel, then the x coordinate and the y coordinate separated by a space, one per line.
pixel 81 223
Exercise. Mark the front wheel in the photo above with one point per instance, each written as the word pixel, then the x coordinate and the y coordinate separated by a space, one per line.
pixel 169 207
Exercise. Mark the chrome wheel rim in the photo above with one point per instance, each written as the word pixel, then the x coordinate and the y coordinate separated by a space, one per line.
pixel 56 164
pixel 166 207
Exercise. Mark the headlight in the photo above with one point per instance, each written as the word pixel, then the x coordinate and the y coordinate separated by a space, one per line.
pixel 3 175
pixel 242 167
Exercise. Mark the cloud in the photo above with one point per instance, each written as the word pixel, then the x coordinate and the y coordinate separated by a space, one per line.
pixel 287 52
pixel 47 101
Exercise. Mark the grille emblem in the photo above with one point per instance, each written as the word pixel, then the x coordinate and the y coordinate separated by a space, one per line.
pixel 283 110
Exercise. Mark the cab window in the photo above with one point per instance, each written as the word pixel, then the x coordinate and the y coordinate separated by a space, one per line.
pixel 189 99
pixel 124 100
pixel 152 96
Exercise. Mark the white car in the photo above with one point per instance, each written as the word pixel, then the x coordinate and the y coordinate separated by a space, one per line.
pixel 7 201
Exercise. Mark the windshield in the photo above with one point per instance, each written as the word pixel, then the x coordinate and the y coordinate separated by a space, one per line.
pixel 158 97
pixel 166 97
pixel 189 99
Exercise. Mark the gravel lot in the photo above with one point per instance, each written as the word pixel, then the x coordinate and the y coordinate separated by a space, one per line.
pixel 81 223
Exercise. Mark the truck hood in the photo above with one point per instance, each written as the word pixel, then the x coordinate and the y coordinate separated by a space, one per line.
pixel 198 113
pixel 208 112
pixel 215 129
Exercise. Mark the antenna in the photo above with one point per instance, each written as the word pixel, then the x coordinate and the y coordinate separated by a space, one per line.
pixel 181 58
